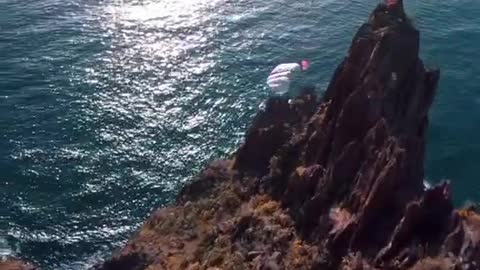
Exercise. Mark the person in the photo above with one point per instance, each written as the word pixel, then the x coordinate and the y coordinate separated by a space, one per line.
pixel 395 6
pixel 282 75
pixel 389 13
pixel 392 3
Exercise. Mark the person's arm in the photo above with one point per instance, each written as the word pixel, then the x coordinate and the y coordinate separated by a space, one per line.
pixel 289 67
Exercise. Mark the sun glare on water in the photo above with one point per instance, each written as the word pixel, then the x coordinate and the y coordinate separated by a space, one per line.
pixel 178 10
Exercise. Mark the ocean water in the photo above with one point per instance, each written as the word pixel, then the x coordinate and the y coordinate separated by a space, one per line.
pixel 107 107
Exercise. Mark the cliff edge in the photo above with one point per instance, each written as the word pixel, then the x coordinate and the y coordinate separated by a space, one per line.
pixel 330 183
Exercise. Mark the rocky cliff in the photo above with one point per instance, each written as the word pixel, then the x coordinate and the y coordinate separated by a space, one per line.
pixel 330 183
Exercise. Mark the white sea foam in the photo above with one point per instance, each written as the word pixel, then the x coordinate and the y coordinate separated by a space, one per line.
pixel 4 248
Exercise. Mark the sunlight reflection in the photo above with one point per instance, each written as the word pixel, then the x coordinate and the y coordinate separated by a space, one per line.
pixel 178 10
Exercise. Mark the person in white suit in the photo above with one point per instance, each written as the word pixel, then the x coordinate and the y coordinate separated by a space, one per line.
pixel 282 75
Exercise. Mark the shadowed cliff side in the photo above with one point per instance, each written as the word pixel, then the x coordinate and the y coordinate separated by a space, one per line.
pixel 330 184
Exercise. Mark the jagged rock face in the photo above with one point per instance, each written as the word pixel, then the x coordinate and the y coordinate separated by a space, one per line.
pixel 330 184
pixel 362 153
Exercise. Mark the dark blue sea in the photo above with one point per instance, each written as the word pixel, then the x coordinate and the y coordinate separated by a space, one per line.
pixel 107 107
